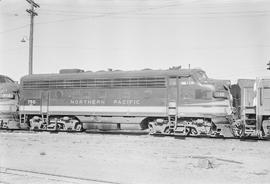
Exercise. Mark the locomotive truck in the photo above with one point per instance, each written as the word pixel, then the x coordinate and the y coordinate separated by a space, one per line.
pixel 9 100
pixel 173 101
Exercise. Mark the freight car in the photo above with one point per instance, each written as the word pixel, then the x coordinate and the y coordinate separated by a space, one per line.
pixel 252 101
pixel 9 99
pixel 182 101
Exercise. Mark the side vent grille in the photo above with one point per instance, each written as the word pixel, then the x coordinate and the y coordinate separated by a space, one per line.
pixel 153 82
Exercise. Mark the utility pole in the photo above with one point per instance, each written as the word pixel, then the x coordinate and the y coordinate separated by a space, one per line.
pixel 31 38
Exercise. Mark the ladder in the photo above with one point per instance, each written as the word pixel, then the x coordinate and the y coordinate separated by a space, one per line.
pixel 23 121
pixel 22 118
pixel 45 118
pixel 172 118
pixel 249 117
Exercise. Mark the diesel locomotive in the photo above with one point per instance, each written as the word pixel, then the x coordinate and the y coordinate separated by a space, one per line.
pixel 9 102
pixel 173 101
pixel 252 104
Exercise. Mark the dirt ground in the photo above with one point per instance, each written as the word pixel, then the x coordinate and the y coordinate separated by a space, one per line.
pixel 94 158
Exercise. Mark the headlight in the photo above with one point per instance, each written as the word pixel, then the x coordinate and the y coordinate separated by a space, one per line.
pixel 220 94
pixel 7 95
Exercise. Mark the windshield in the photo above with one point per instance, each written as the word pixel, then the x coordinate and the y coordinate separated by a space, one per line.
pixel 201 76
pixel 4 79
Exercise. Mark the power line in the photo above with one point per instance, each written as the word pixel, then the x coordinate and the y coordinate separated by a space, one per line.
pixel 160 15
pixel 82 18
pixel 100 16
pixel 14 29
pixel 110 14
pixel 127 6
pixel 230 13
pixel 139 12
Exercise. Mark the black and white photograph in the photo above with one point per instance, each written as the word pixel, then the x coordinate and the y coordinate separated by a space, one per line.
pixel 134 91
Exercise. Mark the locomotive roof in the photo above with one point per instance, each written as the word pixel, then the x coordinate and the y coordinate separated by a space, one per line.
pixel 245 82
pixel 111 74
pixel 8 85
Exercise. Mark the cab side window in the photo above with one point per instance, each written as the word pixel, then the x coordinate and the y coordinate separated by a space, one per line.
pixel 187 88
pixel 172 81
pixel 186 81
pixel 203 94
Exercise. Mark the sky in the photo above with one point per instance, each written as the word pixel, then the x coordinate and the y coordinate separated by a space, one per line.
pixel 229 39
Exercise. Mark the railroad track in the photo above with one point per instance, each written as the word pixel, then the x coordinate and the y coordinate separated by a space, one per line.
pixel 134 133
pixel 53 177
pixel 117 132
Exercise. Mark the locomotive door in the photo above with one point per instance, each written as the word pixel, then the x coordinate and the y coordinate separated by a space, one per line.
pixel 172 96
pixel 44 102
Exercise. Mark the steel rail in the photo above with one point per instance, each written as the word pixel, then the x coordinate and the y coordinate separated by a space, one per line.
pixel 136 133
pixel 22 172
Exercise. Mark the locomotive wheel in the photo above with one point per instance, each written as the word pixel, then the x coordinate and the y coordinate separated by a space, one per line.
pixel 193 131
pixel 151 130
pixel 79 127
pixel 242 131
pixel 43 126
pixel 238 129
pixel 59 126
pixel 167 130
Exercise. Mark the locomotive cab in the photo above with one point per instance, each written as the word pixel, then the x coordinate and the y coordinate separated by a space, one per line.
pixel 197 105
pixel 9 96
pixel 262 103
